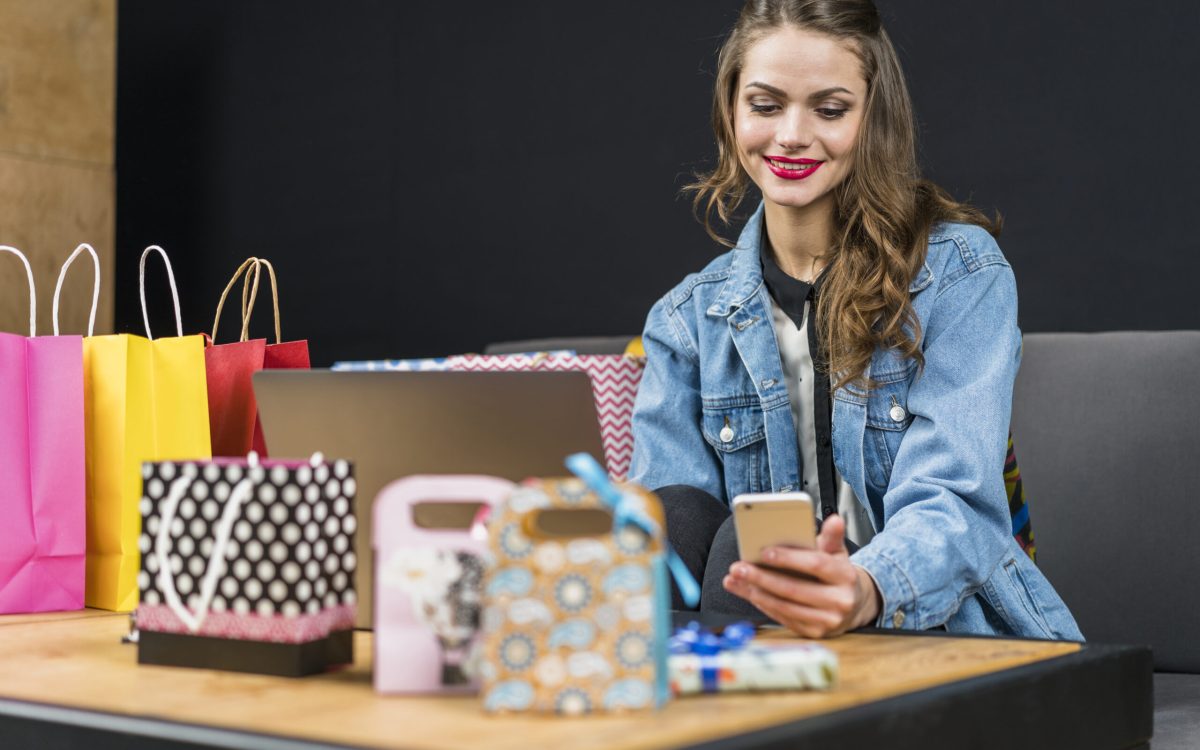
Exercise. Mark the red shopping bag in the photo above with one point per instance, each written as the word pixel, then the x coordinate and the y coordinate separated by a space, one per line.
pixel 232 410
pixel 615 379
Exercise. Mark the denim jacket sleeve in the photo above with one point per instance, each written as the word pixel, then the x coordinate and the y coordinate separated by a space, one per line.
pixel 946 523
pixel 667 447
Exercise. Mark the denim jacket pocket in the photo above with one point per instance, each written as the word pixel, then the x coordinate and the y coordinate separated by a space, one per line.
pixel 1010 595
pixel 735 428
pixel 887 419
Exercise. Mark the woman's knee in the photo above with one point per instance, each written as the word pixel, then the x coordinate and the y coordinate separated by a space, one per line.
pixel 692 506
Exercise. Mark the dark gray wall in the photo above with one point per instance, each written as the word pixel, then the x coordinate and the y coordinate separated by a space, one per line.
pixel 429 177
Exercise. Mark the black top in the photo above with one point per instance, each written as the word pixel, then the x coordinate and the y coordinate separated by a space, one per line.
pixel 791 294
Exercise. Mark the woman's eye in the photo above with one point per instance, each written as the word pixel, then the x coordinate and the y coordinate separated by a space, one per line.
pixel 764 108
pixel 831 113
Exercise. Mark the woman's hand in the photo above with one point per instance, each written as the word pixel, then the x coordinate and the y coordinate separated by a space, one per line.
pixel 840 595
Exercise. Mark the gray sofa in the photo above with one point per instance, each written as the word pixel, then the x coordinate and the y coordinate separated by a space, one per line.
pixel 1107 431
pixel 1107 436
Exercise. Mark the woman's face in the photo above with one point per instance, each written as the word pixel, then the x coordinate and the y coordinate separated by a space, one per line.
pixel 797 112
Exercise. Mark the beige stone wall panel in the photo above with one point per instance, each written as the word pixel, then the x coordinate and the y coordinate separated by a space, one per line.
pixel 46 209
pixel 57 79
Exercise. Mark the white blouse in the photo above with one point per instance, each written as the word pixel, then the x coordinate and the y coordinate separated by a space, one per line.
pixel 799 375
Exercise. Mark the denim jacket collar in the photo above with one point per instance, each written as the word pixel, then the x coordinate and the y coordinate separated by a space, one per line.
pixel 745 270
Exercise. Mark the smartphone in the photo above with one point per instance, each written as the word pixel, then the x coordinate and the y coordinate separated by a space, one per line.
pixel 779 519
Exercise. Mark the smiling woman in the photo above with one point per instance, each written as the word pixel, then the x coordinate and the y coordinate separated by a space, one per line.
pixel 859 343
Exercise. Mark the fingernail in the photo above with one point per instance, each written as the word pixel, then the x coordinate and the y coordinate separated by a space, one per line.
pixel 769 554
pixel 738 570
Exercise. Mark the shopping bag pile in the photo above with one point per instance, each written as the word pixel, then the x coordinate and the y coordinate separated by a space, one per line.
pixel 80 415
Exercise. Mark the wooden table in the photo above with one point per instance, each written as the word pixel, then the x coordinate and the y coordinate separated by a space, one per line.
pixel 67 681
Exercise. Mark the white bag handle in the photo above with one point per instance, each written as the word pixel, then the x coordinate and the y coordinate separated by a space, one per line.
pixel 174 291
pixel 32 290
pixel 216 561
pixel 62 274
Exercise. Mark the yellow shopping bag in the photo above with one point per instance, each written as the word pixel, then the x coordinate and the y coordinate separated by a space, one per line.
pixel 145 399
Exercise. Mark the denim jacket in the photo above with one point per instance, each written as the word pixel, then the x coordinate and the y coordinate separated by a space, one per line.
pixel 932 480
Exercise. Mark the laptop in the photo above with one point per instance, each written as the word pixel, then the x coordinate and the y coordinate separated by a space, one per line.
pixel 395 424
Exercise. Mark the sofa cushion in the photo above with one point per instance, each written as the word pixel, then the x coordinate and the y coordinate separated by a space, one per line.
pixel 1108 428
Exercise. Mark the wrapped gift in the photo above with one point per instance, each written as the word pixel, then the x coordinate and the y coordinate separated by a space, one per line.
pixel 431 553
pixel 247 566
pixel 702 662
pixel 576 607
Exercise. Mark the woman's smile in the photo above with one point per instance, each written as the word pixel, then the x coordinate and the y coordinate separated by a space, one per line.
pixel 792 169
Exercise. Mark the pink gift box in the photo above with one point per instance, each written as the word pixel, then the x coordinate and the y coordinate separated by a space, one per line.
pixel 428 581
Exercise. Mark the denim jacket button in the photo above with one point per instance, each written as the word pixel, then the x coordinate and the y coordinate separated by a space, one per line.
pixel 898 619
pixel 726 434
pixel 897 413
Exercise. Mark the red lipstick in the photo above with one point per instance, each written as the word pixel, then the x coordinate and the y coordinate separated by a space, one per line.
pixel 804 169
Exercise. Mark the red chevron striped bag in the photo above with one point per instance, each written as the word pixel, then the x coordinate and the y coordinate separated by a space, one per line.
pixel 615 379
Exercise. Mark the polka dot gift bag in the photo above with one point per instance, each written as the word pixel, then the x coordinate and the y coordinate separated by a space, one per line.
pixel 575 616
pixel 247 566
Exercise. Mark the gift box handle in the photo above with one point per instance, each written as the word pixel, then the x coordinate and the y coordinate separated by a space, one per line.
pixel 32 290
pixel 174 290
pixel 62 274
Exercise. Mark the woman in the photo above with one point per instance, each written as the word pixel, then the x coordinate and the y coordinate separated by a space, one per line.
pixel 859 343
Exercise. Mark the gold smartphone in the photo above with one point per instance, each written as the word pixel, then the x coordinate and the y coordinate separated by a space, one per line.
pixel 779 519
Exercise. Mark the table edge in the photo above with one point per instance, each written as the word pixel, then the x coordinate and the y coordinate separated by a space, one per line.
pixel 875 721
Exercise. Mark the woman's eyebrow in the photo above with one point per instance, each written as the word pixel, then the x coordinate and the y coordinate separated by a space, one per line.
pixel 768 88
pixel 783 94
pixel 829 91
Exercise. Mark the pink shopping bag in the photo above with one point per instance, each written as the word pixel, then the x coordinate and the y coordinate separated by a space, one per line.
pixel 615 380
pixel 42 474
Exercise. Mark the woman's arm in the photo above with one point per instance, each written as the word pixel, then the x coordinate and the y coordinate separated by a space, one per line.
pixel 668 447
pixel 946 521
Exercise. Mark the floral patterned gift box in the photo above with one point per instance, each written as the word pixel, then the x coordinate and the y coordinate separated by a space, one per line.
pixel 576 608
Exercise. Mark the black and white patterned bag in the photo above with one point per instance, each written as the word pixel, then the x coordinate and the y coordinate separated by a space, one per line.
pixel 247 565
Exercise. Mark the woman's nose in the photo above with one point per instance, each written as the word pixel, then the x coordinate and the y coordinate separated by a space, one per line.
pixel 793 133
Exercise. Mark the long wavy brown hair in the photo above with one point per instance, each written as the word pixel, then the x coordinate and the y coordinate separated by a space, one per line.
pixel 883 209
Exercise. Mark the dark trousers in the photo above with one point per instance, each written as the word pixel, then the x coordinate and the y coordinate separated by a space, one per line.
pixel 700 528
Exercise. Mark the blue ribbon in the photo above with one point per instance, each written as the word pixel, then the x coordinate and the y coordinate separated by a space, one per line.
pixel 704 643
pixel 628 513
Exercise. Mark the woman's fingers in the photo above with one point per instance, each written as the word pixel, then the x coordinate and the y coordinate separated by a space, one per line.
pixel 810 622
pixel 832 538
pixel 823 566
pixel 839 599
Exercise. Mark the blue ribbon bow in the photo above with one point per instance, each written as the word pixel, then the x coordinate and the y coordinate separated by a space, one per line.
pixel 627 513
